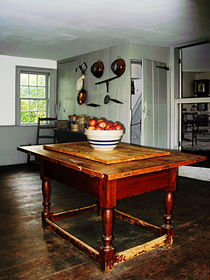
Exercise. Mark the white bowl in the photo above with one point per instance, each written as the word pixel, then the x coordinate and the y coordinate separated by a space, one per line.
pixel 103 140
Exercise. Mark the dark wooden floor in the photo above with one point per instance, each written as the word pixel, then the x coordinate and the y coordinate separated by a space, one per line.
pixel 27 252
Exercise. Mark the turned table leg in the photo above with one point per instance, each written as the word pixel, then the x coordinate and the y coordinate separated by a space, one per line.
pixel 47 212
pixel 106 251
pixel 167 228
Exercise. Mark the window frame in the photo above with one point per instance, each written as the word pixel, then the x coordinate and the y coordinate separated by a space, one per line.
pixel 51 91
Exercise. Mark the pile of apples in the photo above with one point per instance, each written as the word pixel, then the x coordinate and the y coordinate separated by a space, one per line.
pixel 101 124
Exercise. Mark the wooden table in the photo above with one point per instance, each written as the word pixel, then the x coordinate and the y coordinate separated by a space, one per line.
pixel 109 183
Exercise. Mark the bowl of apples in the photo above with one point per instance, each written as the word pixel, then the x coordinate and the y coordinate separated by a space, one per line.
pixel 103 135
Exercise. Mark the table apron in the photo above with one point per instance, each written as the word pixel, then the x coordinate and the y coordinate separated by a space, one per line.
pixel 125 187
pixel 70 177
pixel 139 184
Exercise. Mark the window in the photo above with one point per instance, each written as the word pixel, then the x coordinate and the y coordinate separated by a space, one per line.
pixel 34 98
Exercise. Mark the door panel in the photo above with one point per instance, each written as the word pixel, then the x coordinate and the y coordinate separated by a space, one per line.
pixel 154 109
pixel 147 104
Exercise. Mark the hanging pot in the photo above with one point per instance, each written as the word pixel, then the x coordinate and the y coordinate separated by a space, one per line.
pixel 118 67
pixel 81 96
pixel 97 69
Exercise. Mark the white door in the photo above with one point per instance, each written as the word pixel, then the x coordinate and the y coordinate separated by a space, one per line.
pixel 154 105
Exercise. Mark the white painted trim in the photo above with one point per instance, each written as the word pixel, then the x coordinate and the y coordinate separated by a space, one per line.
pixel 174 56
pixel 192 100
pixel 199 173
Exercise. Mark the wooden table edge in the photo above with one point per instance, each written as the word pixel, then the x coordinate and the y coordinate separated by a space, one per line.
pixel 113 176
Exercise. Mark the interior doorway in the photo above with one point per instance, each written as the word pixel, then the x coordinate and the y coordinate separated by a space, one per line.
pixel 149 104
pixel 194 102
pixel 136 102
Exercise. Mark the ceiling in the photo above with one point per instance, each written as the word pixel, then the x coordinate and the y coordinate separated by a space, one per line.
pixel 65 28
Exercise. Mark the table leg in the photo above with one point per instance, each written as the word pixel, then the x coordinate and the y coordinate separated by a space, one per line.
pixel 47 212
pixel 106 251
pixel 167 228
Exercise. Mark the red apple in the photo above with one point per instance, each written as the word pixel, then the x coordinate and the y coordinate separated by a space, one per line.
pixel 115 123
pixel 111 128
pixel 118 127
pixel 100 120
pixel 102 124
pixel 92 122
pixel 99 128
pixel 91 127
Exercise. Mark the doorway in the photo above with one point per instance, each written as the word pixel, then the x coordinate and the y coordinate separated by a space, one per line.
pixel 149 104
pixel 194 102
pixel 136 102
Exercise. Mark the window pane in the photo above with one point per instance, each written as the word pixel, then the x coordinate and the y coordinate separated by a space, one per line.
pixel 41 92
pixel 42 114
pixel 24 117
pixel 24 105
pixel 41 80
pixel 24 91
pixel 24 79
pixel 33 105
pixel 33 117
pixel 196 128
pixel 32 79
pixel 32 92
pixel 42 105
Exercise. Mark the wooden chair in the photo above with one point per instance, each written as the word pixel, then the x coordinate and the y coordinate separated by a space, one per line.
pixel 201 127
pixel 203 123
pixel 46 125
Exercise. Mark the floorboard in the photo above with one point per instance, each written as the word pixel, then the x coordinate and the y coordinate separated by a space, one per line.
pixel 29 252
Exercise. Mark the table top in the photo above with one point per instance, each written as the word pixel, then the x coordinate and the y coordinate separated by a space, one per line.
pixel 115 170
pixel 122 153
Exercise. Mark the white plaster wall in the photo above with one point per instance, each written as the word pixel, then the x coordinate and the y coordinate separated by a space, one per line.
pixel 138 52
pixel 188 84
pixel 201 76
pixel 196 58
pixel 7 82
pixel 12 136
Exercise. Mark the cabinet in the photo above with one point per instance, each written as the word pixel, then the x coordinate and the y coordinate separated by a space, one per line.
pixel 66 135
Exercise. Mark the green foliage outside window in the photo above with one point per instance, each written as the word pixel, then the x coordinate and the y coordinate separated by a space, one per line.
pixel 33 102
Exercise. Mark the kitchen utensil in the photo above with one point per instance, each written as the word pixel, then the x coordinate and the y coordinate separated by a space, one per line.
pixel 107 99
pixel 118 67
pixel 83 67
pixel 81 96
pixel 93 105
pixel 97 69
pixel 80 82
